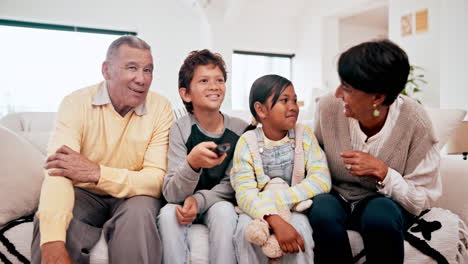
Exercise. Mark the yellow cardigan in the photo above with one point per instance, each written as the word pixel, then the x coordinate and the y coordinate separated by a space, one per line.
pixel 131 151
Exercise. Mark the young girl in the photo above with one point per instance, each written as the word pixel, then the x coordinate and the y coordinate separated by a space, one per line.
pixel 273 103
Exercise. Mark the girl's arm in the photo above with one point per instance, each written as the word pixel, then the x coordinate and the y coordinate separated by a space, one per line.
pixel 244 182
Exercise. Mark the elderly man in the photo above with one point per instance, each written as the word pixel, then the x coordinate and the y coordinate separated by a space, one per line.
pixel 107 159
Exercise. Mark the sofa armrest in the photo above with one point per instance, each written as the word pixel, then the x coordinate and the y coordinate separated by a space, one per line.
pixel 454 174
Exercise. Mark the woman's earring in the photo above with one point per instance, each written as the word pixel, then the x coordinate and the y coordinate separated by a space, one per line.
pixel 376 112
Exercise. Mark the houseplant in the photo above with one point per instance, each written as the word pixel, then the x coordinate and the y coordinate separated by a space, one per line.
pixel 416 81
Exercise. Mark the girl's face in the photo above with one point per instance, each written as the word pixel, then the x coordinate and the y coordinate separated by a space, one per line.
pixel 277 120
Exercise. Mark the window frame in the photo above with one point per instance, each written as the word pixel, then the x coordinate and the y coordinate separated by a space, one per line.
pixel 9 23
pixel 269 54
pixel 289 56
pixel 18 23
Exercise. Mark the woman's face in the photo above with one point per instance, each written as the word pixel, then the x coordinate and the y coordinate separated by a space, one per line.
pixel 356 103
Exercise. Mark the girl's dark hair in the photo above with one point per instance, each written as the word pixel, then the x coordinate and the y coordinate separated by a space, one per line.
pixel 194 59
pixel 262 89
pixel 375 67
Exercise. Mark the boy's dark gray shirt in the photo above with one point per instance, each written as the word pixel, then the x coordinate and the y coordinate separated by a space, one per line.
pixel 207 186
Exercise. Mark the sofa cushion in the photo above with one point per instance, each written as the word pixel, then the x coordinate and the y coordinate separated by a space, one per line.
pixel 39 140
pixel 445 121
pixel 21 176
pixel 29 121
pixel 454 173
pixel 15 241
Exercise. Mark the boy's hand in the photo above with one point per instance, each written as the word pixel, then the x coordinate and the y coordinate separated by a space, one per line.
pixel 289 240
pixel 187 213
pixel 202 156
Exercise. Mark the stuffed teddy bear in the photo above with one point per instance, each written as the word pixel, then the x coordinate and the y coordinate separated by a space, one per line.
pixel 258 232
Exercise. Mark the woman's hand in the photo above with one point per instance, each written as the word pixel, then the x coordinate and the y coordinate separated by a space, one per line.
pixel 289 240
pixel 363 164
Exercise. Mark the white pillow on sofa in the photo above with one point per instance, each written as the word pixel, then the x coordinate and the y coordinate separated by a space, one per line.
pixel 445 121
pixel 21 175
pixel 39 139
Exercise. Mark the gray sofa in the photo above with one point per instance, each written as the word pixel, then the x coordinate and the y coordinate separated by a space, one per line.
pixel 27 135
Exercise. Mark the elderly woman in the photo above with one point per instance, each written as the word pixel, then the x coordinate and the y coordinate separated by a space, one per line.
pixel 382 155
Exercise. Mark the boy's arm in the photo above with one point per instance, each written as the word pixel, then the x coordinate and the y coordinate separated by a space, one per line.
pixel 220 192
pixel 180 180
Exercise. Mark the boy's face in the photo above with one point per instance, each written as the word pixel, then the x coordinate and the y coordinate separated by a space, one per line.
pixel 207 89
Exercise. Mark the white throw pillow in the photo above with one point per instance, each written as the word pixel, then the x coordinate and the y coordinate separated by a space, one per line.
pixel 21 175
pixel 445 121
pixel 40 140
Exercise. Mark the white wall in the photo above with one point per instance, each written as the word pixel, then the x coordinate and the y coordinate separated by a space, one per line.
pixel 351 35
pixel 442 51
pixel 423 48
pixel 257 26
pixel 307 66
pixel 311 31
pixel 319 43
pixel 454 54
pixel 172 28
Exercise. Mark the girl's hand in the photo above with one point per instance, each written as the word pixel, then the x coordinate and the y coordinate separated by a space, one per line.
pixel 364 164
pixel 203 156
pixel 289 240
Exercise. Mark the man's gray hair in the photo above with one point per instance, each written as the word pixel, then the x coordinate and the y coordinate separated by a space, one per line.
pixel 132 41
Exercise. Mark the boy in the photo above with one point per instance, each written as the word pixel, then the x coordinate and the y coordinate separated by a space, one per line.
pixel 197 176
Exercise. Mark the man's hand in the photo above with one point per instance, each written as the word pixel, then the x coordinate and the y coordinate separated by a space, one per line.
pixel 364 164
pixel 288 238
pixel 187 213
pixel 55 253
pixel 68 163
pixel 202 156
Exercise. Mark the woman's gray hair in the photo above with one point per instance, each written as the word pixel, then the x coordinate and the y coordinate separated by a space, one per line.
pixel 132 41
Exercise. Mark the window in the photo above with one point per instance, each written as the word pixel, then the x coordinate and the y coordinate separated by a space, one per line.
pixel 41 63
pixel 248 66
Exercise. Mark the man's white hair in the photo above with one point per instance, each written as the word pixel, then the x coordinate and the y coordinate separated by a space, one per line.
pixel 132 41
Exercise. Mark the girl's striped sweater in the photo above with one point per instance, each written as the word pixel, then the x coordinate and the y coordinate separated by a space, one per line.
pixel 248 178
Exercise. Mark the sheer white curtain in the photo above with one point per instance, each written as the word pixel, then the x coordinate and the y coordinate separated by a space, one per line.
pixel 39 67
pixel 246 68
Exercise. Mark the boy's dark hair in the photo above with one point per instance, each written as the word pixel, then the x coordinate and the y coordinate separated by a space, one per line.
pixel 375 67
pixel 263 88
pixel 194 59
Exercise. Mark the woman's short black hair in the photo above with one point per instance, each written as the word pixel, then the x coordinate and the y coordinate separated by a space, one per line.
pixel 263 88
pixel 378 66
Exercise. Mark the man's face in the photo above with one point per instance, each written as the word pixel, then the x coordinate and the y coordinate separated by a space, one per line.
pixel 128 74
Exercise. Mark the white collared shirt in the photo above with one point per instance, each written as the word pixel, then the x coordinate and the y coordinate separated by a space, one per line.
pixel 102 98
pixel 396 186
